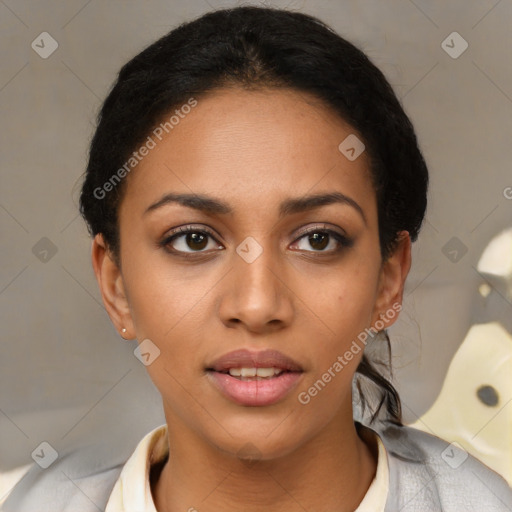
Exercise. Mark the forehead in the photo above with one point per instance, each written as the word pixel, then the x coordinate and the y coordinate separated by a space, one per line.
pixel 251 146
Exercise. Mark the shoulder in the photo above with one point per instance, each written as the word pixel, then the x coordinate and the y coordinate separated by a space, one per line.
pixel 63 487
pixel 83 479
pixel 430 474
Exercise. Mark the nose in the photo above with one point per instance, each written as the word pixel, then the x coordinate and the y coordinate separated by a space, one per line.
pixel 256 296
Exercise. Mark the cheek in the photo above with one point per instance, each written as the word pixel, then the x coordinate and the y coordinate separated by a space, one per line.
pixel 345 308
pixel 349 301
pixel 169 308
pixel 162 296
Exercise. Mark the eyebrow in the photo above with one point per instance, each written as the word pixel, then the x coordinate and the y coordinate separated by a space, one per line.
pixel 211 205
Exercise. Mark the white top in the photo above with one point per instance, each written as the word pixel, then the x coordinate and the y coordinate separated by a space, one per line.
pixel 132 491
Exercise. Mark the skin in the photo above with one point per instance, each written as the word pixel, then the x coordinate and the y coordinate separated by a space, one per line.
pixel 252 150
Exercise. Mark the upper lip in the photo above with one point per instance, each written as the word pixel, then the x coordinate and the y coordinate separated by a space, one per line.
pixel 254 359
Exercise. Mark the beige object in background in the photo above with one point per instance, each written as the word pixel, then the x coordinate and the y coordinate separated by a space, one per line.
pixel 474 407
pixel 496 261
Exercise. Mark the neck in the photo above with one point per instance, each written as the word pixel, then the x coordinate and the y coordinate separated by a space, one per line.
pixel 330 472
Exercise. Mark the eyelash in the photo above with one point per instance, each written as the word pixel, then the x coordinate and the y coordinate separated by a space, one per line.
pixel 343 241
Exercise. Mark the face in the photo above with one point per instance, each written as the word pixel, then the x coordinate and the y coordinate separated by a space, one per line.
pixel 247 270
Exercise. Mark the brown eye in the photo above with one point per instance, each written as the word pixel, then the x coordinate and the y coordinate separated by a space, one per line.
pixel 320 239
pixel 196 241
pixel 188 240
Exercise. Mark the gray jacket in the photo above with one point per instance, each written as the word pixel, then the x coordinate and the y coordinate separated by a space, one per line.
pixel 426 474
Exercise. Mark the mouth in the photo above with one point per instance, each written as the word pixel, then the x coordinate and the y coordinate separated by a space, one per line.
pixel 252 374
pixel 254 378
pixel 250 363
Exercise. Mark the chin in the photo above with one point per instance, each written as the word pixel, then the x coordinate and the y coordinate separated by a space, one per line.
pixel 259 438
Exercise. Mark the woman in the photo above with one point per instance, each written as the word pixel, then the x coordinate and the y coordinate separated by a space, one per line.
pixel 253 189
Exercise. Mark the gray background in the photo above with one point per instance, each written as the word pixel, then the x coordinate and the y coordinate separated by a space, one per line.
pixel 65 375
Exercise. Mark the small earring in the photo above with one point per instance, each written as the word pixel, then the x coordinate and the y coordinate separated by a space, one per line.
pixel 123 330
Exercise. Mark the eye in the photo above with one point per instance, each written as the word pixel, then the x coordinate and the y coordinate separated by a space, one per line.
pixel 189 239
pixel 320 238
pixel 192 239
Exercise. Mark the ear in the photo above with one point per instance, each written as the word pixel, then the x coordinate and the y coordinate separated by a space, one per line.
pixel 393 274
pixel 110 281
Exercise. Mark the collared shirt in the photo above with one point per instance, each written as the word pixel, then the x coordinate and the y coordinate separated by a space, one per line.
pixel 132 490
pixel 425 473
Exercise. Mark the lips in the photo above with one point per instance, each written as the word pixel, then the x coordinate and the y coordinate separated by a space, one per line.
pixel 248 359
pixel 254 378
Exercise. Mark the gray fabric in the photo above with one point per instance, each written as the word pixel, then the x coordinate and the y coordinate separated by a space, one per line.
pixel 421 480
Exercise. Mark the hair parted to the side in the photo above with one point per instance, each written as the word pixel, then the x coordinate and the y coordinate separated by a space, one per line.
pixel 263 47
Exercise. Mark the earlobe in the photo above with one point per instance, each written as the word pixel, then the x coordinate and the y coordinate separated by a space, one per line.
pixel 393 274
pixel 111 284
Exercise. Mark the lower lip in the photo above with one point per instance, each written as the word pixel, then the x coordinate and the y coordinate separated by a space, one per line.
pixel 255 393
